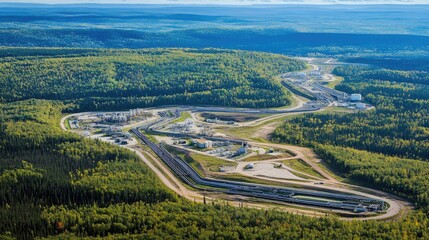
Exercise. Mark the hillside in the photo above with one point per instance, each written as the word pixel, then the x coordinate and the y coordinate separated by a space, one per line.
pixel 289 29
pixel 277 40
pixel 123 79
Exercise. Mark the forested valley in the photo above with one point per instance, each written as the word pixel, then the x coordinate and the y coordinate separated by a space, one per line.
pixel 61 59
pixel 55 184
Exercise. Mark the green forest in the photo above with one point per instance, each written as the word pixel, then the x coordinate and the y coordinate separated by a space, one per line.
pixel 62 186
pixel 385 148
pixel 124 79
pixel 40 166
pixel 57 185
pixel 398 126
pixel 403 177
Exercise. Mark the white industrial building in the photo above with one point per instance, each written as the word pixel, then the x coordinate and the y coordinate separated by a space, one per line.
pixel 203 143
pixel 356 97
pixel 208 144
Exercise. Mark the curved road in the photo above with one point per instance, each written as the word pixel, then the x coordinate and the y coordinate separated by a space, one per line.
pixel 395 205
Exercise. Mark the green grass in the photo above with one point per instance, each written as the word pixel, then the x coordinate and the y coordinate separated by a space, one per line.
pixel 211 163
pixel 334 83
pixel 67 124
pixel 183 117
pixel 338 110
pixel 236 117
pixel 201 163
pixel 262 157
pixel 247 132
pixel 152 138
pixel 186 157
pixel 127 129
pixel 300 166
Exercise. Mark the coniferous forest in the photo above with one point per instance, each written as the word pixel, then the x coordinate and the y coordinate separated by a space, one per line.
pixel 398 125
pixel 60 185
pixel 385 148
pixel 57 59
pixel 124 79
pixel 55 184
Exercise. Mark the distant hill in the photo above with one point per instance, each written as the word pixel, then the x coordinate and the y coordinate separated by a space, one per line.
pixel 288 29
pixel 378 19
pixel 271 40
pixel 120 79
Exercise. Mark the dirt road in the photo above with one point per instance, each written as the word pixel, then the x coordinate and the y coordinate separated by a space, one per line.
pixel 307 155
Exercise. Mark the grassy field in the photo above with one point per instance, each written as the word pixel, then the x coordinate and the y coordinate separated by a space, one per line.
pixel 211 164
pixel 300 166
pixel 201 163
pixel 338 110
pixel 236 117
pixel 152 138
pixel 334 83
pixel 185 156
pixel 247 132
pixel 67 124
pixel 183 117
pixel 262 157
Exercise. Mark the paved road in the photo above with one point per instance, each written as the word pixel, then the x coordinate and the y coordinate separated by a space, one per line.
pixel 344 201
pixel 332 184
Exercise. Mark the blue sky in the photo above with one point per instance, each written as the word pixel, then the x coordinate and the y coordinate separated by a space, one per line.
pixel 233 2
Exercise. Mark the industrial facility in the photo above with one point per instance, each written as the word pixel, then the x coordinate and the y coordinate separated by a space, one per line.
pixel 332 200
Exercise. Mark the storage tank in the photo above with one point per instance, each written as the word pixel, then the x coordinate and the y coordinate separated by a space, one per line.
pixel 356 97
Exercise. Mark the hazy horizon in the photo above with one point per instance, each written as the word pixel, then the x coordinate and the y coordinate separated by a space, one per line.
pixel 223 2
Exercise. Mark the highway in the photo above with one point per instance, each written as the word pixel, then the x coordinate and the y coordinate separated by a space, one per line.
pixel 333 200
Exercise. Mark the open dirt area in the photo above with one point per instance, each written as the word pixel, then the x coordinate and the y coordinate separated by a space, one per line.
pixel 268 170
